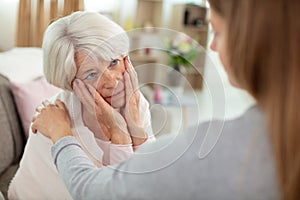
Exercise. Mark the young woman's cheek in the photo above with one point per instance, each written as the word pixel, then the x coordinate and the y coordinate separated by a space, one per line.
pixel 224 58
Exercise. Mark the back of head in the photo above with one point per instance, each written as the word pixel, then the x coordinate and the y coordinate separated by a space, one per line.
pixel 90 32
pixel 264 48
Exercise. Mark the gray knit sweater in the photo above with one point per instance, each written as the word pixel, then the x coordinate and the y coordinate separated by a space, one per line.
pixel 214 160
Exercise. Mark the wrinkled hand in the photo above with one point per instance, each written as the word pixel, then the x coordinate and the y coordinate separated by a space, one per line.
pixel 53 121
pixel 131 111
pixel 111 122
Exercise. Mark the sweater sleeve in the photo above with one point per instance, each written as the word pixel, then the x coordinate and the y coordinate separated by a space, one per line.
pixel 135 178
pixel 81 177
pixel 121 181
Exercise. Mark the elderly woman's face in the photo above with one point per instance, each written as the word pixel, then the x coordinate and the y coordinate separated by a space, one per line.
pixel 106 76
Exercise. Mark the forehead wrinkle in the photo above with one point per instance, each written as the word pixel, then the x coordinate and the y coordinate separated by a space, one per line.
pixel 89 61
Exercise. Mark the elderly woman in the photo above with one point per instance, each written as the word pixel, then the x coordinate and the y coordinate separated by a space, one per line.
pixel 86 51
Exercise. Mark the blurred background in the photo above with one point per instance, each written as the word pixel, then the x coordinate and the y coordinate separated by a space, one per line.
pixel 206 92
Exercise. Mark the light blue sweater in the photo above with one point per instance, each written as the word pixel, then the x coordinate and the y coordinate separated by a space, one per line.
pixel 214 160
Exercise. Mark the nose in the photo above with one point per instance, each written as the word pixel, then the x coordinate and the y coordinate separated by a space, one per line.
pixel 110 79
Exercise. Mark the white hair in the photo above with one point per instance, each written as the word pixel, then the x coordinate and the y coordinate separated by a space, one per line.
pixel 91 32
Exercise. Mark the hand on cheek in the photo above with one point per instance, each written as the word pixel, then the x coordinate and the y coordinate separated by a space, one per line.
pixel 111 122
pixel 132 107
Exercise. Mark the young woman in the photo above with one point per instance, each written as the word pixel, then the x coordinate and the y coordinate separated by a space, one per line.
pixel 79 49
pixel 257 155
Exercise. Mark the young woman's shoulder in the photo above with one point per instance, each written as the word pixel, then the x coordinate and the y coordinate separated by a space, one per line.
pixel 232 157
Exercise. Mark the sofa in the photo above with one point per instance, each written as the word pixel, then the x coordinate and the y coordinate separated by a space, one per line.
pixel 12 140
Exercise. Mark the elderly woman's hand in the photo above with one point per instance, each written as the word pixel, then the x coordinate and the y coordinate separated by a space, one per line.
pixel 53 121
pixel 111 122
pixel 131 111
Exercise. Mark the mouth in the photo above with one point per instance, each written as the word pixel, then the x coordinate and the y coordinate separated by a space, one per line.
pixel 116 95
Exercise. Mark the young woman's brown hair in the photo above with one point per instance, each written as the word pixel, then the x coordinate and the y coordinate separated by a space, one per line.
pixel 264 49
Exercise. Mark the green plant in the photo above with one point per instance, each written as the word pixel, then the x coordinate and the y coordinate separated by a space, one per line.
pixel 182 50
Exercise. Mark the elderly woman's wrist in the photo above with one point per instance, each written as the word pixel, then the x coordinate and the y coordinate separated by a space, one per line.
pixel 136 141
pixel 138 135
pixel 120 137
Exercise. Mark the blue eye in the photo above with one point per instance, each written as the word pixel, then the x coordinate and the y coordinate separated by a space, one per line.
pixel 92 76
pixel 114 62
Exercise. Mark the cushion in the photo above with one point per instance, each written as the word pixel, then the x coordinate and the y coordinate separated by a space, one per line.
pixel 29 95
pixel 11 133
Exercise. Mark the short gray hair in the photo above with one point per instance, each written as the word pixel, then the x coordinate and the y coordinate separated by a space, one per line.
pixel 91 32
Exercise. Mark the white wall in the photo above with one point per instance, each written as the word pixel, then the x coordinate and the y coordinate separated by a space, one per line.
pixel 8 23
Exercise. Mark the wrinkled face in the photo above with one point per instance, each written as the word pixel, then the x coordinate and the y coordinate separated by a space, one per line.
pixel 105 76
pixel 219 43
